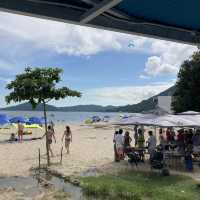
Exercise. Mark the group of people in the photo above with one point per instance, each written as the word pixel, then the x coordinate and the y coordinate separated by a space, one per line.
pixel 122 142
pixel 20 133
pixel 67 136
pixel 50 135
pixel 184 139
pixel 140 142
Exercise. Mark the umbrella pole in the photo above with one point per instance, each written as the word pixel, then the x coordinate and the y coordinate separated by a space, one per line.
pixel 39 160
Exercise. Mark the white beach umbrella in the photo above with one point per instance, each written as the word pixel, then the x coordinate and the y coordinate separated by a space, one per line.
pixel 162 121
pixel 190 112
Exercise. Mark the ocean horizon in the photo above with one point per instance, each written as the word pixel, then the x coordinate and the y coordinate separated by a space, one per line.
pixel 57 116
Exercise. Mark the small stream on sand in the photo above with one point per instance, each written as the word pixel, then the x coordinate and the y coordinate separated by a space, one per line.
pixel 37 183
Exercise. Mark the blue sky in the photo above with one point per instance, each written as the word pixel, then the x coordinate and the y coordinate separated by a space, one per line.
pixel 101 64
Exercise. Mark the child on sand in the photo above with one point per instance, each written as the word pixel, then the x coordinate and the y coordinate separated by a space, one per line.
pixel 68 138
pixel 12 138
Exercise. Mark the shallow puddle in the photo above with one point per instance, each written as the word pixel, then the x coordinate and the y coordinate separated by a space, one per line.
pixel 75 192
pixel 26 185
pixel 31 186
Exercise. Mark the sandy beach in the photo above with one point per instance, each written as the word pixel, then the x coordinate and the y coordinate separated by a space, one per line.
pixel 91 147
pixel 91 153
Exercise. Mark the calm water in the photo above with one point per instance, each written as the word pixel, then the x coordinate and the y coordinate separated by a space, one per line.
pixel 70 117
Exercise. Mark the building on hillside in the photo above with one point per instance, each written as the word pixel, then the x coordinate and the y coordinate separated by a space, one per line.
pixel 164 103
pixel 162 106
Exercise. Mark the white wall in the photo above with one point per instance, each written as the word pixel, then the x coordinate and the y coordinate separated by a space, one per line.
pixel 164 102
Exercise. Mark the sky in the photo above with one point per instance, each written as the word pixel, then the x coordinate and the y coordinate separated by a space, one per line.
pixel 108 68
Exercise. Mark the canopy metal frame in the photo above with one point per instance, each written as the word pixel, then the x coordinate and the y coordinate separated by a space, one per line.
pixel 99 14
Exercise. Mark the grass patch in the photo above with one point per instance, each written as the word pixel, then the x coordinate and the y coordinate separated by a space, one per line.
pixel 141 186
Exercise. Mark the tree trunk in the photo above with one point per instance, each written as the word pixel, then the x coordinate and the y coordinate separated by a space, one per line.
pixel 45 120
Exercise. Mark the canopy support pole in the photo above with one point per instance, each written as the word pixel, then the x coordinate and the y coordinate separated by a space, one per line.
pixel 98 10
pixel 155 133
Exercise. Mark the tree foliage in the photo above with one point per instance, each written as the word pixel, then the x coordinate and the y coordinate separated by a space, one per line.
pixel 38 85
pixel 187 93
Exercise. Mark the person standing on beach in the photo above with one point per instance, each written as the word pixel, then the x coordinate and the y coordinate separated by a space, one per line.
pixel 141 139
pixel 119 141
pixel 161 138
pixel 136 135
pixel 151 144
pixel 52 126
pixel 68 138
pixel 20 131
pixel 127 142
pixel 115 149
pixel 50 137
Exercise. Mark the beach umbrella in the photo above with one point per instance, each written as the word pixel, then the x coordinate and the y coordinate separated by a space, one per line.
pixel 96 119
pixel 139 119
pixel 190 112
pixel 162 121
pixel 18 119
pixel 3 119
pixel 36 120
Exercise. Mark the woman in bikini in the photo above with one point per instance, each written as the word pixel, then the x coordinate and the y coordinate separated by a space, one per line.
pixel 50 136
pixel 20 131
pixel 68 138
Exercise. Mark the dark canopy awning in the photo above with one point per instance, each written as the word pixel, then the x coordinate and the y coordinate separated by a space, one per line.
pixel 176 20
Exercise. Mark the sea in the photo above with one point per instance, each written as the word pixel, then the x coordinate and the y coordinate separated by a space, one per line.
pixel 68 117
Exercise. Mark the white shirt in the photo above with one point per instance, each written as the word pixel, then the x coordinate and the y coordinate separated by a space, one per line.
pixel 119 140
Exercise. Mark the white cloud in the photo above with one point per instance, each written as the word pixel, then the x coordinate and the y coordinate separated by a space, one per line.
pixel 167 58
pixel 117 95
pixel 156 66
pixel 6 65
pixel 65 38
pixel 5 80
pixel 142 76
pixel 21 36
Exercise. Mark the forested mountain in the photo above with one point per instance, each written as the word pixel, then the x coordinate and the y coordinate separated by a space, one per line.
pixel 144 105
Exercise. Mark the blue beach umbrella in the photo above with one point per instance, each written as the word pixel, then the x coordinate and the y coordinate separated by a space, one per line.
pixel 3 119
pixel 35 120
pixel 18 119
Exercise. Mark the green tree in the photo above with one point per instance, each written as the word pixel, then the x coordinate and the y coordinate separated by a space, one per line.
pixel 38 85
pixel 187 92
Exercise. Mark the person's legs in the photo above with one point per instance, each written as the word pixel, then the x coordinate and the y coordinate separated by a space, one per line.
pixel 67 143
pixel 151 153
pixel 50 150
pixel 115 153
pixel 136 142
pixel 68 147
pixel 121 153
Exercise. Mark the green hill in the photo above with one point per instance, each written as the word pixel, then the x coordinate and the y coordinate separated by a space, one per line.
pixel 144 105
pixel 28 107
